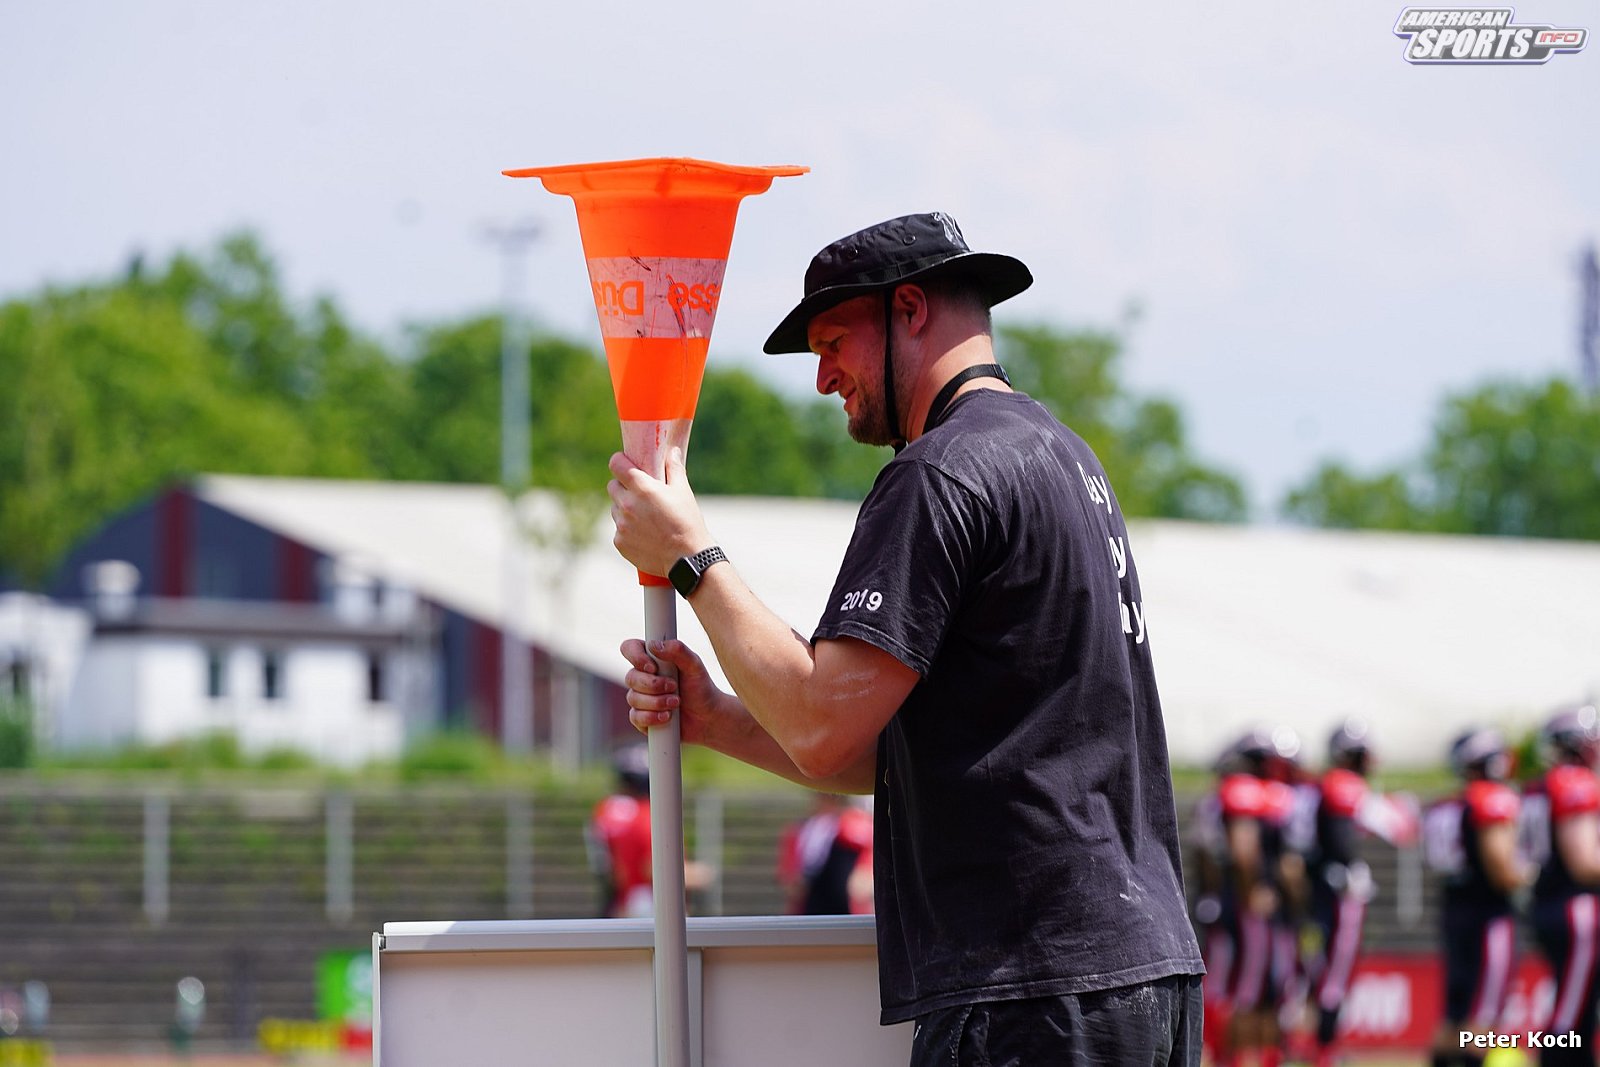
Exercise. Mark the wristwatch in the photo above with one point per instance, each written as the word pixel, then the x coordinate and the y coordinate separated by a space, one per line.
pixel 685 574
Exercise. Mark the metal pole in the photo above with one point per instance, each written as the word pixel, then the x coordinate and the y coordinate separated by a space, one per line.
pixel 157 816
pixel 516 699
pixel 708 845
pixel 519 857
pixel 666 857
pixel 1408 901
pixel 339 858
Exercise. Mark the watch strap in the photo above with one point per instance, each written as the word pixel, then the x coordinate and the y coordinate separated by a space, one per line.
pixel 685 574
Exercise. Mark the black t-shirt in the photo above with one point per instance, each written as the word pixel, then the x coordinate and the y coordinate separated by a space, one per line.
pixel 1026 841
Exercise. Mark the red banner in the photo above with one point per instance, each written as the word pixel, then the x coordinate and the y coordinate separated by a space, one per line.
pixel 1397 1001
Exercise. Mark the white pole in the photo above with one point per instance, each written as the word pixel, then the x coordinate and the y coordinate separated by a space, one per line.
pixel 516 683
pixel 666 856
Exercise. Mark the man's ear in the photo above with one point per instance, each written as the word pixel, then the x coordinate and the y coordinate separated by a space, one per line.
pixel 911 304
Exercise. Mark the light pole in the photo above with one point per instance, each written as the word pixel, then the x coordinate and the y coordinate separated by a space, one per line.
pixel 512 240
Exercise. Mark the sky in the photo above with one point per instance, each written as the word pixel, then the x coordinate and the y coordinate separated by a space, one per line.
pixel 1309 240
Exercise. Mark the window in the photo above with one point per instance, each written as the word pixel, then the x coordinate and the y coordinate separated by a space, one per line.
pixel 377 680
pixel 216 577
pixel 14 681
pixel 272 674
pixel 216 673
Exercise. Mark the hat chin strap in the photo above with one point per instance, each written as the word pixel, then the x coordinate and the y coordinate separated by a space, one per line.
pixel 890 408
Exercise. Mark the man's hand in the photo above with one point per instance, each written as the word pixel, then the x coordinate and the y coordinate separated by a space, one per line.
pixel 658 521
pixel 653 697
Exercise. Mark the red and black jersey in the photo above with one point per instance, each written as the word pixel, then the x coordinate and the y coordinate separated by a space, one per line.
pixel 1343 794
pixel 1483 804
pixel 1563 793
pixel 620 832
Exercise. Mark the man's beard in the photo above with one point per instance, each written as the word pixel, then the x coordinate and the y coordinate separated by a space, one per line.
pixel 870 423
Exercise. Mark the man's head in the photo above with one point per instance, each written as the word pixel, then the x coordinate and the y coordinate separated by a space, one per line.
pixel 860 288
pixel 1350 746
pixel 631 763
pixel 1571 735
pixel 1265 753
pixel 1480 754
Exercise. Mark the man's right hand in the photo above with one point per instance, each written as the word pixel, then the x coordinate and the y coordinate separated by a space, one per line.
pixel 654 697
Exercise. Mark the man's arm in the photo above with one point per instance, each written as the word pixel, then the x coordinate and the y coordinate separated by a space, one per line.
pixel 715 719
pixel 823 706
pixel 1497 848
pixel 1578 838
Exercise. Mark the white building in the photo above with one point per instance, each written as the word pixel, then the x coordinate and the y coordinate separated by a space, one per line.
pixel 273 676
pixel 41 646
pixel 1421 634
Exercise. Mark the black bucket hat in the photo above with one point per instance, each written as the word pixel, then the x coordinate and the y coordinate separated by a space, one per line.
pixel 909 248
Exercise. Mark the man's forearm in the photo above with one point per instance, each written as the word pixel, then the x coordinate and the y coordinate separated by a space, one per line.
pixel 742 737
pixel 824 726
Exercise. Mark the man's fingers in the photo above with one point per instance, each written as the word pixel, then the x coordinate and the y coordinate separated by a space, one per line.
pixel 648 720
pixel 621 466
pixel 634 651
pixel 671 650
pixel 639 681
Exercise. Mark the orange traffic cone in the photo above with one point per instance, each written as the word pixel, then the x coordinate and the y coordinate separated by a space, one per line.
pixel 656 234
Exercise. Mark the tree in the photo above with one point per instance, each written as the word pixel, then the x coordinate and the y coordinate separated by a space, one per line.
pixel 747 440
pixel 454 417
pixel 1513 459
pixel 1141 441
pixel 1339 498
pixel 116 388
pixel 1521 460
pixel 108 396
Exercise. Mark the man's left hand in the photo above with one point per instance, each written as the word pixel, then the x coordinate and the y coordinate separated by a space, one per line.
pixel 658 520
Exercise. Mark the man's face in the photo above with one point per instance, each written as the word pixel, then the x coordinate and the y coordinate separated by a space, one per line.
pixel 848 341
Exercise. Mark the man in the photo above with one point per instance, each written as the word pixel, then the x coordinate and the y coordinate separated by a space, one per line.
pixel 1471 840
pixel 1259 885
pixel 982 665
pixel 1565 806
pixel 824 858
pixel 618 838
pixel 1346 808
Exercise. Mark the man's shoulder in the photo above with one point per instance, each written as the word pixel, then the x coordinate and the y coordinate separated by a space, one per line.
pixel 993 418
pixel 988 435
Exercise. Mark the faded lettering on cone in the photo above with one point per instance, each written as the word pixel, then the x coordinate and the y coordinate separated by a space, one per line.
pixel 656 314
pixel 656 296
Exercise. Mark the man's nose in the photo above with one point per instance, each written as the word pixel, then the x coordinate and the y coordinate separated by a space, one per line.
pixel 827 375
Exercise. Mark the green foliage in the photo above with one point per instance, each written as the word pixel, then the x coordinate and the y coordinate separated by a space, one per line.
pixel 119 387
pixel 1141 441
pixel 452 754
pixel 115 389
pixel 208 755
pixel 1515 459
pixel 1336 497
pixel 16 735
pixel 1519 460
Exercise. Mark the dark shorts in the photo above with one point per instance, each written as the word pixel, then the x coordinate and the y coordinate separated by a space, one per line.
pixel 1155 1023
pixel 1479 957
pixel 1261 964
pixel 1568 931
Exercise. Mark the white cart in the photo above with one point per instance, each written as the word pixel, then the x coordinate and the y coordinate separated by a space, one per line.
pixel 775 991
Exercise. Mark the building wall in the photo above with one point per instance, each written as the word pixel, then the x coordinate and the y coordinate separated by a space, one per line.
pixel 154 690
pixel 98 715
pixel 186 547
pixel 44 643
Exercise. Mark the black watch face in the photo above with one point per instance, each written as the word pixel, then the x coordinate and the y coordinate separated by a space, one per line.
pixel 683 577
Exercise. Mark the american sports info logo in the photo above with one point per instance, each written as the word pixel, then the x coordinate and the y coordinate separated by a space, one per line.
pixel 1481 35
